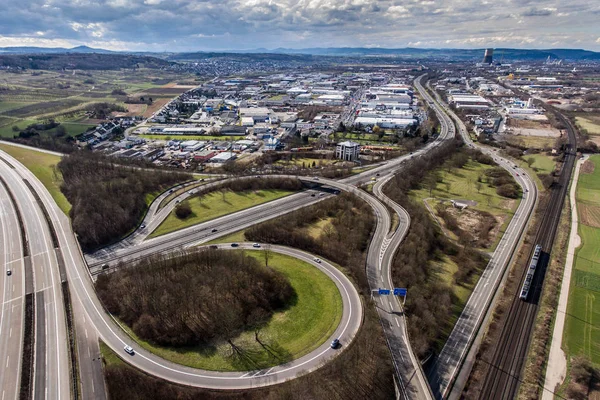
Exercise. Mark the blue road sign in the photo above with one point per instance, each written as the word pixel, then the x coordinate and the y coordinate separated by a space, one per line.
pixel 384 291
pixel 399 291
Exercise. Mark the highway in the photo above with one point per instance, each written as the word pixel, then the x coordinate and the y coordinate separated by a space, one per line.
pixel 94 316
pixel 51 379
pixel 12 289
pixel 381 251
pixel 504 374
pixel 379 258
pixel 450 363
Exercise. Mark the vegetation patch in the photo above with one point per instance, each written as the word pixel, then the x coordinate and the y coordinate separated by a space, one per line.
pixel 214 205
pixel 43 166
pixel 239 314
pixel 479 184
pixel 109 199
pixel 351 222
pixel 541 163
pixel 582 323
pixel 439 272
pixel 592 127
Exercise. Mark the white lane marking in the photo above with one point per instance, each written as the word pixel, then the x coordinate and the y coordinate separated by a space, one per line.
pixel 7 360
pixel 397 323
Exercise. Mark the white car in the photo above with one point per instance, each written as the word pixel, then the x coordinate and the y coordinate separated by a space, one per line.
pixel 318 260
pixel 129 350
pixel 256 245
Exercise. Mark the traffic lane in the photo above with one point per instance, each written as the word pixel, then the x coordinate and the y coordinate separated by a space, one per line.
pixel 116 338
pixel 455 349
pixel 47 281
pixel 108 328
pixel 88 356
pixel 204 231
pixel 13 287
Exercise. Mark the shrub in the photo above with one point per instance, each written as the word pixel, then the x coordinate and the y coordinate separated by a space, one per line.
pixel 183 210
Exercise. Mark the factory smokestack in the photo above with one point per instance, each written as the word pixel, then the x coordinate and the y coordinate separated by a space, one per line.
pixel 487 57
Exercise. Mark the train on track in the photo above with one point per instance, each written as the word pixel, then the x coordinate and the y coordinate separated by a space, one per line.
pixel 530 272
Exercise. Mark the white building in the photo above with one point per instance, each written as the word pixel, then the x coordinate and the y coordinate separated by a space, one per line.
pixel 348 151
pixel 224 157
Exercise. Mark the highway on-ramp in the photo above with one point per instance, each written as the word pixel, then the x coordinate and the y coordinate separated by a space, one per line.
pixel 82 291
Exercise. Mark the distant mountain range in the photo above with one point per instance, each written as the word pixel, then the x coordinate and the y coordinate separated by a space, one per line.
pixel 500 54
pixel 52 50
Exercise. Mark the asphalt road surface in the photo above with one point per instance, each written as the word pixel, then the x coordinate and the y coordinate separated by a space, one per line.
pixel 82 291
pixel 51 377
pixel 12 289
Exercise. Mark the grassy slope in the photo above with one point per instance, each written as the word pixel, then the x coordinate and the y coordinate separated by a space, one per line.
pixel 543 164
pixel 589 125
pixel 213 206
pixel 295 331
pixel 42 166
pixel 6 131
pixel 582 328
pixel 460 184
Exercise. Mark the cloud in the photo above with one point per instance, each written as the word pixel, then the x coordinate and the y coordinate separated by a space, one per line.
pixel 183 25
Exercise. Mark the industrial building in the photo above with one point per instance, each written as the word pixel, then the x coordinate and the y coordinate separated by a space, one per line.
pixel 347 151
pixel 488 56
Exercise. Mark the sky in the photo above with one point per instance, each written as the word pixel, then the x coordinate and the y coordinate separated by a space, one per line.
pixel 193 25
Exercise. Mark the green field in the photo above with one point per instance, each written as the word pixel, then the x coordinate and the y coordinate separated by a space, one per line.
pixel 6 130
pixel 582 323
pixel 542 164
pixel 291 333
pixel 217 204
pixel 592 127
pixel 461 184
pixel 10 105
pixel 43 167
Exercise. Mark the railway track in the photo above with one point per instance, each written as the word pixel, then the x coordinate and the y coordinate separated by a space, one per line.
pixel 503 376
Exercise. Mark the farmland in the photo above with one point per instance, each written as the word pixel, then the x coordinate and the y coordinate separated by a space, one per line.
pixel 33 97
pixel 582 326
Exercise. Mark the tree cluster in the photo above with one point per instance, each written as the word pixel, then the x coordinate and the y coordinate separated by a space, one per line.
pixel 103 110
pixel 196 298
pixel 584 378
pixel 344 243
pixel 108 199
pixel 417 262
pixel 503 181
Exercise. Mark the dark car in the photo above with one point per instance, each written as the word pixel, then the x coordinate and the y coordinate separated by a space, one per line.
pixel 214 230
pixel 234 245
pixel 8 272
pixel 335 343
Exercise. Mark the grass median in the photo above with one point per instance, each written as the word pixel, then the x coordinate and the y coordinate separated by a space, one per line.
pixel 42 165
pixel 291 333
pixel 217 204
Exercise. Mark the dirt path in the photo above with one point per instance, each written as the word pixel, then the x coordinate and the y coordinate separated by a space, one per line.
pixel 557 360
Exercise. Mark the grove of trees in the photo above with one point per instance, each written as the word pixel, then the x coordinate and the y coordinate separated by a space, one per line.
pixel 194 298
pixel 108 199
